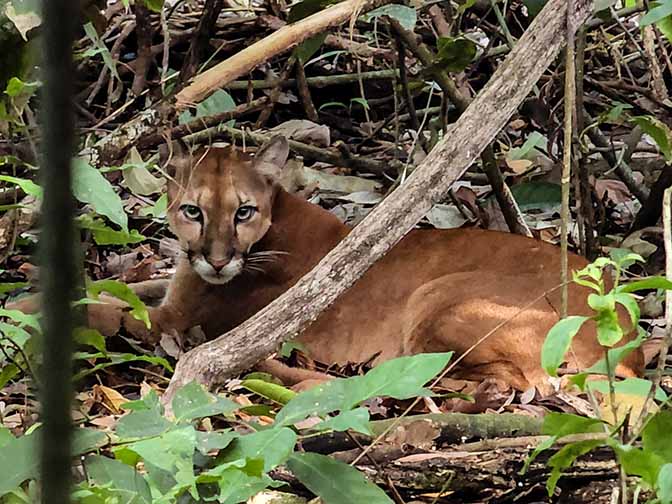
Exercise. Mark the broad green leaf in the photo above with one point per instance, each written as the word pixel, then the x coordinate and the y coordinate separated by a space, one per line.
pixel 565 457
pixel 564 424
pixel 356 420
pixel 399 378
pixel 89 186
pixel 21 318
pixel 654 127
pixel 27 186
pixel 537 195
pixel 18 462
pixel 272 391
pixel 105 235
pixel 657 12
pixel 643 463
pixel 304 9
pixel 273 446
pixel 630 304
pixel 333 481
pixel 455 54
pixel 139 179
pixel 141 424
pixel 616 355
pixel 664 484
pixel 154 5
pixel 609 331
pixel 557 342
pixel 529 148
pixel 113 359
pixel 656 435
pixel 655 282
pixel 171 451
pixel 214 440
pixel 218 102
pixel 12 286
pixel 85 440
pixel 123 480
pixel 629 386
pixel 406 16
pixel 150 401
pixel 665 27
pixel 123 292
pixel 192 401
pixel 624 257
pixel 91 337
pixel 309 47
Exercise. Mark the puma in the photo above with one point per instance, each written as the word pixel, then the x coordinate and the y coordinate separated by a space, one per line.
pixel 246 241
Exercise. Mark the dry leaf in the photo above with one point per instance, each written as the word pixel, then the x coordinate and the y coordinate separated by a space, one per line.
pixel 109 397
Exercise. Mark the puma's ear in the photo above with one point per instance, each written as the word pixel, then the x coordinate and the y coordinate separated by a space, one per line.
pixel 271 157
pixel 174 157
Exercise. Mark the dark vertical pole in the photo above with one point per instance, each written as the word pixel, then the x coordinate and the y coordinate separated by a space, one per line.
pixel 57 247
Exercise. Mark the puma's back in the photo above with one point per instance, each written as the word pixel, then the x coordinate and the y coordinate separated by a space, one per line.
pixel 246 241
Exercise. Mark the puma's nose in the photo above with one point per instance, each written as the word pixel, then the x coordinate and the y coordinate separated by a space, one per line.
pixel 218 265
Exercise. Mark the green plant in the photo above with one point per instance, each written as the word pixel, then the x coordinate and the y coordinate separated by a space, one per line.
pixel 642 451
pixel 157 459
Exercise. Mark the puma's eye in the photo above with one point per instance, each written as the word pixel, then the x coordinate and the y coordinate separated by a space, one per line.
pixel 245 213
pixel 191 212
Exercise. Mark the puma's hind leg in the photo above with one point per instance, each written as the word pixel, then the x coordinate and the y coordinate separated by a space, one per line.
pixel 484 320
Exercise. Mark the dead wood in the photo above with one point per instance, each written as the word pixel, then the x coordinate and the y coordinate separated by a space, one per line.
pixel 199 42
pixel 143 31
pixel 285 38
pixel 241 348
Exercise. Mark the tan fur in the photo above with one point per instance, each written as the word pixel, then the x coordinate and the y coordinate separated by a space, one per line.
pixel 436 291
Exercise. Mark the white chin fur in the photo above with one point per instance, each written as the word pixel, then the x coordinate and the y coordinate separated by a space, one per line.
pixel 226 274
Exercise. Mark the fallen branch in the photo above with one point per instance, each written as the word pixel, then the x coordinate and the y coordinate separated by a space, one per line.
pixel 285 317
pixel 283 39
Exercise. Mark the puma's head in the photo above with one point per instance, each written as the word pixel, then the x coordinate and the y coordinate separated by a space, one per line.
pixel 219 203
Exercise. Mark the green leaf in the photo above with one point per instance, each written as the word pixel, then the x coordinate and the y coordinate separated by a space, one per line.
pixel 309 47
pixel 616 355
pixel 124 293
pixel 12 286
pixel 658 12
pixel 629 386
pixel 624 258
pixel 86 440
pixel 273 446
pixel 455 54
pixel 192 401
pixel 664 484
pixel 304 9
pixel 643 463
pixel 630 304
pixel 557 342
pixel 529 148
pixel 665 27
pixel 214 440
pixel 115 359
pixel 399 378
pixel 565 457
pixel 654 127
pixel 564 424
pixel 27 186
pixel 272 391
pixel 158 210
pixel 406 16
pixel 171 451
pixel 89 186
pixel 654 282
pixel 154 5
pixel 18 462
pixel 333 481
pixel 142 424
pixel 356 420
pixel 218 102
pixel 609 331
pixel 125 482
pixel 91 337
pixel 105 235
pixel 537 195
pixel 21 318
pixel 360 101
pixel 656 435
